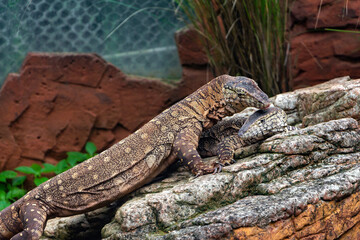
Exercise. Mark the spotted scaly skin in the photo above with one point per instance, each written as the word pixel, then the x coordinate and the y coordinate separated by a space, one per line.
pixel 134 161
pixel 259 126
pixel 211 138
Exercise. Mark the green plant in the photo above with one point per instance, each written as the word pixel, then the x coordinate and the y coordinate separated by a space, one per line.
pixel 36 170
pixel 11 188
pixel 72 159
pixel 244 38
pixel 11 185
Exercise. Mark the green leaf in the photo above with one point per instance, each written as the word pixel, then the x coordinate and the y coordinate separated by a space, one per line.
pixel 3 187
pixel 72 162
pixel 76 156
pixel 62 166
pixel 90 148
pixel 36 167
pixel 2 195
pixel 26 170
pixel 39 181
pixel 15 193
pixel 4 204
pixel 48 168
pixel 7 174
pixel 18 180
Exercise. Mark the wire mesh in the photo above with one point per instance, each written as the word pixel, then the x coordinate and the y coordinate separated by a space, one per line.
pixel 135 35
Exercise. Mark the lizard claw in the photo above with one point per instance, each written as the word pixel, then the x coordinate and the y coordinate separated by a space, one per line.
pixel 218 168
pixel 198 174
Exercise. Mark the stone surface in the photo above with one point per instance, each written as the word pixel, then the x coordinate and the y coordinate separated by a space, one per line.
pixel 286 176
pixel 322 220
pixel 317 56
pixel 334 99
pixel 83 226
pixel 193 78
pixel 58 102
pixel 190 48
pixel 195 66
pixel 332 13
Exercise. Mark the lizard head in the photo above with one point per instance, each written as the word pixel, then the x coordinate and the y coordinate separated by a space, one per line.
pixel 242 92
pixel 263 123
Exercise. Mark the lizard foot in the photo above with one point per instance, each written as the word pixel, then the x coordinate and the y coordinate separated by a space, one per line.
pixel 217 167
pixel 227 162
pixel 202 169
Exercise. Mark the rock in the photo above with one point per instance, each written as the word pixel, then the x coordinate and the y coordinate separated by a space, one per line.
pixel 317 56
pixel 11 151
pixel 190 48
pixel 333 13
pixel 334 99
pixel 58 102
pixel 195 65
pixel 313 171
pixel 192 79
pixel 83 226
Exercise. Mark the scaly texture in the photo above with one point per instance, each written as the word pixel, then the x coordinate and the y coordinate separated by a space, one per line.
pixel 133 161
pixel 238 131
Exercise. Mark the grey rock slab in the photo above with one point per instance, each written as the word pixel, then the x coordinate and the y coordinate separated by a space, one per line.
pixel 305 166
pixel 335 99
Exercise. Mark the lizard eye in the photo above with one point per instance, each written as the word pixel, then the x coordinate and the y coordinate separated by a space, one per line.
pixel 262 120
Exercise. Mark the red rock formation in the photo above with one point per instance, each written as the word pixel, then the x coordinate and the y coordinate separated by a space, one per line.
pixel 195 64
pixel 318 55
pixel 58 102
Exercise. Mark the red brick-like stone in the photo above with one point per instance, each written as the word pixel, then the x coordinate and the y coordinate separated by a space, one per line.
pixel 192 79
pixel 76 132
pixel 58 102
pixel 102 138
pixel 321 57
pixel 10 151
pixel 333 13
pixel 190 47
pixel 317 56
pixel 13 100
pixel 120 132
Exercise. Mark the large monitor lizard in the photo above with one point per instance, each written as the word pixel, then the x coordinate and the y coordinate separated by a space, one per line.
pixel 238 131
pixel 135 160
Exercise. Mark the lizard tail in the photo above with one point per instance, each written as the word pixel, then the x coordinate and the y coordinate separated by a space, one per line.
pixel 10 222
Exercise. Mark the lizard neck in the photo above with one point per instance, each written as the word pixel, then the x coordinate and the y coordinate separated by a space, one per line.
pixel 208 104
pixel 216 112
pixel 213 105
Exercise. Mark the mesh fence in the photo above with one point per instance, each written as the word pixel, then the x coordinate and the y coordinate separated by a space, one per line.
pixel 135 35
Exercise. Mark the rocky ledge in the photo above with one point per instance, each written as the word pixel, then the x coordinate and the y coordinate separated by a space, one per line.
pixel 281 178
pixel 302 184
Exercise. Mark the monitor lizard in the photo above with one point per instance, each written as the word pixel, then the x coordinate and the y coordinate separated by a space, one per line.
pixel 238 131
pixel 135 160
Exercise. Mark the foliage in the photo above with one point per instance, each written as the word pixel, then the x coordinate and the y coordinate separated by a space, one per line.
pixel 11 188
pixel 244 38
pixel 11 185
